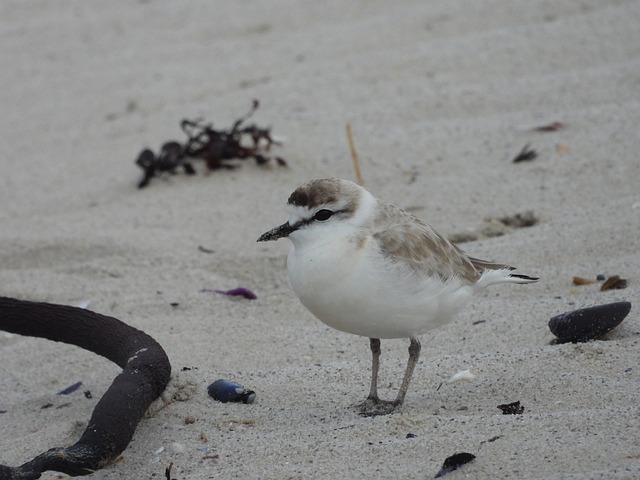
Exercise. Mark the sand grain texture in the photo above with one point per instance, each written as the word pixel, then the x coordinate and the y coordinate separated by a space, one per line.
pixel 440 96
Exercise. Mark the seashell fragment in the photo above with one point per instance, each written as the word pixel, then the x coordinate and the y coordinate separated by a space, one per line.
pixel 462 375
pixel 227 391
pixel 613 282
pixel 583 281
pixel 453 462
pixel 588 323
pixel 240 291
pixel 70 389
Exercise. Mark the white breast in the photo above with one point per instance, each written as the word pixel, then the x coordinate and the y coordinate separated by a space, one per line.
pixel 356 290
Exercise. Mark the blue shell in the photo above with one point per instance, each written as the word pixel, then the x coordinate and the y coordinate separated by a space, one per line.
pixel 227 391
pixel 588 323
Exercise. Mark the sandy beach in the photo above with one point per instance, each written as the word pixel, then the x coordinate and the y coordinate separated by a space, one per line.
pixel 441 96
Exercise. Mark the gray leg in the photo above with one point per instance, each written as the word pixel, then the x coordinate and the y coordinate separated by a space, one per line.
pixel 414 355
pixel 375 366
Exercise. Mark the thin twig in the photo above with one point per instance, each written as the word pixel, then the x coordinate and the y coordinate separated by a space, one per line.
pixel 354 156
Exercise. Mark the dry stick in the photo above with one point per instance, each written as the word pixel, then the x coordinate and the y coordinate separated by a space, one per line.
pixel 354 156
pixel 146 372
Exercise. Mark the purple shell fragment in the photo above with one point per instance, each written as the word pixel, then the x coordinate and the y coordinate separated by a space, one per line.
pixel 70 389
pixel 240 291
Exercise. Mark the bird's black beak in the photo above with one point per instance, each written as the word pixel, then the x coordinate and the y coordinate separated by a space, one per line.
pixel 279 232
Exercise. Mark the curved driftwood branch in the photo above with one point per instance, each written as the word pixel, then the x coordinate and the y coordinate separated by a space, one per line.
pixel 145 375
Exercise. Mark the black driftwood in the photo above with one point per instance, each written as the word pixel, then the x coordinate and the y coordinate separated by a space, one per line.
pixel 145 375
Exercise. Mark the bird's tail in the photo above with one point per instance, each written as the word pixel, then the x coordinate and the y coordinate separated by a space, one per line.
pixel 517 278
pixel 503 275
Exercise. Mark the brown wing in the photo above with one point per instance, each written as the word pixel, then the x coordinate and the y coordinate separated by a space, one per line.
pixel 406 239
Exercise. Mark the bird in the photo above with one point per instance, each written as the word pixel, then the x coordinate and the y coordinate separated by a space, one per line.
pixel 365 267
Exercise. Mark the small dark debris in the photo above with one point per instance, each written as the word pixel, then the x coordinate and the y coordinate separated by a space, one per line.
pixel 70 389
pixel 205 250
pixel 614 282
pixel 525 155
pixel 214 147
pixel 497 226
pixel 478 322
pixel 87 394
pixel 627 370
pixel 167 472
pixel 240 291
pixel 588 323
pixel 600 277
pixel 453 462
pixel 411 435
pixel 520 220
pixel 46 405
pixel 2 411
pixel 550 127
pixel 490 440
pixel 174 304
pixel 511 408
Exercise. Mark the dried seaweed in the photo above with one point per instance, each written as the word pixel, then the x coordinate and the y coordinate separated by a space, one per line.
pixel 215 147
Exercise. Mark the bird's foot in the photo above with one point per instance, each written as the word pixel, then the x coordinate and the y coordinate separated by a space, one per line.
pixel 373 406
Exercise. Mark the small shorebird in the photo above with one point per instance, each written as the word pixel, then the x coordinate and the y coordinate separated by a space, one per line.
pixel 368 268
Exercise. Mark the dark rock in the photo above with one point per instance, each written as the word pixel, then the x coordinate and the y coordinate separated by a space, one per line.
pixel 588 323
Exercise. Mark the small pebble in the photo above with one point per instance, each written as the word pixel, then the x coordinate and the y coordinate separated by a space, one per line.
pixel 588 323
pixel 227 391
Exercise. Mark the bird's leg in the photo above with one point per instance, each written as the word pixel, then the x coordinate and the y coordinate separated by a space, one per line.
pixel 373 406
pixel 375 366
pixel 414 355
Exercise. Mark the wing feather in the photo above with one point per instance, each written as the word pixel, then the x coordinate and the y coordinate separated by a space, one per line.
pixel 409 241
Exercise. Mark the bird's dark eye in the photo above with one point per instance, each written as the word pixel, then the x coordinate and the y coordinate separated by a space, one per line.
pixel 322 215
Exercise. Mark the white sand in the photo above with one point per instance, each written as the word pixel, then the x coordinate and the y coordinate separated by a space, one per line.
pixel 441 96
